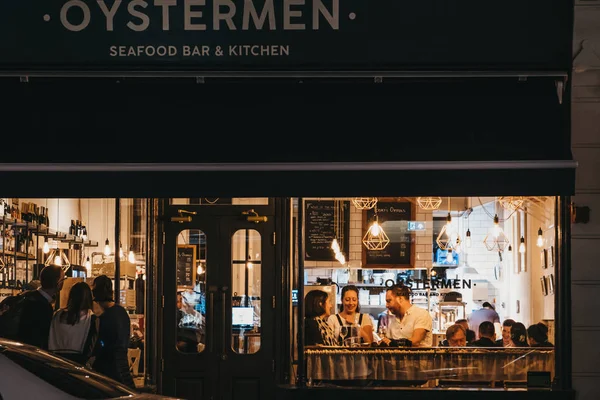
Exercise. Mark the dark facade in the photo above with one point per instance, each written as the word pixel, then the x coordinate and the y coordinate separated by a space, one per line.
pixel 408 91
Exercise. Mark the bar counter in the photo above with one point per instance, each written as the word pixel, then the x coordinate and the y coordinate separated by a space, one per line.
pixel 465 364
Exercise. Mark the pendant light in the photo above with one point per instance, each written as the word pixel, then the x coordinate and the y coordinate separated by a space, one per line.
pixel 540 238
pixel 449 256
pixel 57 256
pixel 46 247
pixel 496 229
pixel 522 245
pixel 375 238
pixel 106 243
pixel 131 255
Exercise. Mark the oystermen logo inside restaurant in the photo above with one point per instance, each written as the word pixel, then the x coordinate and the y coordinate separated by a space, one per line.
pixel 195 15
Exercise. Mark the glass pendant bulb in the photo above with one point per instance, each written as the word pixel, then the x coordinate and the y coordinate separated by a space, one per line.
pixel 468 238
pixel 449 256
pixel 522 245
pixel 375 229
pixel 88 263
pixel 121 255
pixel 449 220
pixel 57 260
pixel 46 248
pixel 107 248
pixel 540 238
pixel 496 229
pixel 131 255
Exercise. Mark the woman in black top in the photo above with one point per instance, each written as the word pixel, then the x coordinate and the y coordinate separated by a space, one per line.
pixel 537 335
pixel 316 329
pixel 113 338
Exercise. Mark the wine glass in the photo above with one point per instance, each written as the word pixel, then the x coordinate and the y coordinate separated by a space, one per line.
pixel 343 333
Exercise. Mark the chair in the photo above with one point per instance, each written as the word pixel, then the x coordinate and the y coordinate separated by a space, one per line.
pixel 133 356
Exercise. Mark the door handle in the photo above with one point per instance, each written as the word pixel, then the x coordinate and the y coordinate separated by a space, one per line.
pixel 252 216
pixel 183 218
pixel 223 325
pixel 211 318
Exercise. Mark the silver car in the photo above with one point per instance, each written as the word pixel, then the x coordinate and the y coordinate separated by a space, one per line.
pixel 27 372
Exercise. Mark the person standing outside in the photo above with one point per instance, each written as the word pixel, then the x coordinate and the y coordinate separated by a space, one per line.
pixel 407 320
pixel 34 324
pixel 113 337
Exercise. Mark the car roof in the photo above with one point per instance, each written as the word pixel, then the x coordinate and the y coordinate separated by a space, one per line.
pixel 46 356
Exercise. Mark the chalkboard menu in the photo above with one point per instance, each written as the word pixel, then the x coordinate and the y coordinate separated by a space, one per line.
pixel 393 216
pixel 186 265
pixel 324 221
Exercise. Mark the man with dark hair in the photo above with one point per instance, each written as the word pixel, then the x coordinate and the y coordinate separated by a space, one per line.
pixel 487 335
pixel 407 320
pixel 34 323
pixel 506 327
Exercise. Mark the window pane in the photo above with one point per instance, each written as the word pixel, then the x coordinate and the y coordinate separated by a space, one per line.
pixel 246 289
pixel 191 291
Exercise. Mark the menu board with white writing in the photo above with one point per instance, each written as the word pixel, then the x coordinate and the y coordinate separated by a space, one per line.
pixel 324 221
pixel 186 265
pixel 393 217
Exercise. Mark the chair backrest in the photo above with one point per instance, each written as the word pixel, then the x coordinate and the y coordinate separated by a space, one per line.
pixel 133 355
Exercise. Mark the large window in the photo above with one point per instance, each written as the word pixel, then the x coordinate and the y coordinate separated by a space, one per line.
pixel 484 264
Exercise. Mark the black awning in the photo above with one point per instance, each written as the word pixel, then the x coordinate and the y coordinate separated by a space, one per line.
pixel 279 138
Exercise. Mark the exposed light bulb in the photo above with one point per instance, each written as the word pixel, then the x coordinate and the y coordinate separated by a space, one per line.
pixel 121 254
pixel 249 265
pixel 131 255
pixel 468 238
pixel 199 270
pixel 375 229
pixel 457 246
pixel 522 245
pixel 107 248
pixel 46 248
pixel 496 229
pixel 449 256
pixel 57 260
pixel 449 220
pixel 88 263
pixel 540 238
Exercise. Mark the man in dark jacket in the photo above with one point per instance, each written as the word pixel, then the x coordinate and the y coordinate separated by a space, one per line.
pixel 34 324
pixel 487 335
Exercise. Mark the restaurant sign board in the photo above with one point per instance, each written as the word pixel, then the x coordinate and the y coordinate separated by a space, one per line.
pixel 283 35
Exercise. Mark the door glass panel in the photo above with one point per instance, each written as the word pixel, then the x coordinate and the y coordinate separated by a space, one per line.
pixel 246 289
pixel 191 291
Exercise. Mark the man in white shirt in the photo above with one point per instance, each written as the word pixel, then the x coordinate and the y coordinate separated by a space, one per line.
pixel 407 320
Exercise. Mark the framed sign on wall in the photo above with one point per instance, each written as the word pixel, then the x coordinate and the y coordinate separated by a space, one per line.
pixel 186 265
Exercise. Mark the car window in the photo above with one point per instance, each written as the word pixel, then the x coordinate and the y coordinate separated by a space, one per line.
pixel 76 381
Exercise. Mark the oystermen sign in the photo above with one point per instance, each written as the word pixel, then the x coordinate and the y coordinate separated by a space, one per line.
pixel 277 35
pixel 225 15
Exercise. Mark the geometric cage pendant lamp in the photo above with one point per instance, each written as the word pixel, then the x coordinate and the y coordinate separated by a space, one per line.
pixel 375 238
